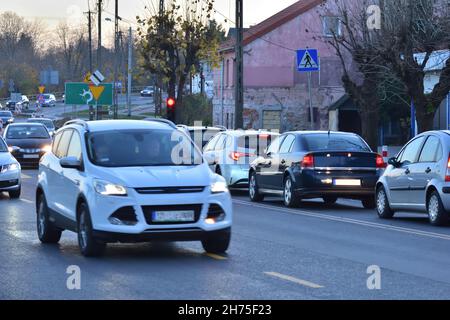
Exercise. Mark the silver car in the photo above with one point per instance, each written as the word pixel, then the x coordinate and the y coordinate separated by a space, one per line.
pixel 418 179
pixel 10 180
pixel 231 152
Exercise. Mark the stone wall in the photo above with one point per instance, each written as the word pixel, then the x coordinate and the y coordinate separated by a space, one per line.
pixel 291 103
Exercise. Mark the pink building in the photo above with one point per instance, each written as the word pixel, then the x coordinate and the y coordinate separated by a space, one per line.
pixel 276 94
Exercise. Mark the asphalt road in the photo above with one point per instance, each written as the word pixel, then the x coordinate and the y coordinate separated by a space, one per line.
pixel 314 252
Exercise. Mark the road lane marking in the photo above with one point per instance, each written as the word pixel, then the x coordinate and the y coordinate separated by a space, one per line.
pixel 215 256
pixel 294 280
pixel 348 220
pixel 210 255
pixel 25 176
pixel 27 201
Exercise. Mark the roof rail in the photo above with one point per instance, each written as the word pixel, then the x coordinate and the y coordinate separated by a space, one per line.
pixel 79 122
pixel 161 120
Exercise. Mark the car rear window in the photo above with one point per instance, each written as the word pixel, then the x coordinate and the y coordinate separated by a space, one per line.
pixel 5 114
pixel 254 143
pixel 334 142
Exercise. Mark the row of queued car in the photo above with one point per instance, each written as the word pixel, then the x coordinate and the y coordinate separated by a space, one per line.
pixel 22 145
pixel 330 165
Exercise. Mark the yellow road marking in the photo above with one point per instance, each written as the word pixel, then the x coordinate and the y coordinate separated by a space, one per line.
pixel 215 256
pixel 295 280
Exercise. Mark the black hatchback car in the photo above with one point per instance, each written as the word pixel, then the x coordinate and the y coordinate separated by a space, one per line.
pixel 316 164
pixel 28 142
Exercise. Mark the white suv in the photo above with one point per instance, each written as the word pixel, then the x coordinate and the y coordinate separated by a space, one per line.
pixel 130 181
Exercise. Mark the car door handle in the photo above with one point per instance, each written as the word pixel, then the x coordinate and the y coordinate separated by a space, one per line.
pixel 407 171
pixel 428 170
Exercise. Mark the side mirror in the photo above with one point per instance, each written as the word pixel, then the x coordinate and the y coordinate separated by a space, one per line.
pixel 70 163
pixel 393 161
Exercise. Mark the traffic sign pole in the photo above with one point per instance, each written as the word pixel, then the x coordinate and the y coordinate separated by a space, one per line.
pixel 311 113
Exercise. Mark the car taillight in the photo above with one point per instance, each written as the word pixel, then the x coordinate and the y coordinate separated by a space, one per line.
pixel 236 155
pixel 308 161
pixel 380 164
pixel 447 173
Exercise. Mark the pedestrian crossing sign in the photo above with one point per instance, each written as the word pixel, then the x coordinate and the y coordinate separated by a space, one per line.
pixel 308 60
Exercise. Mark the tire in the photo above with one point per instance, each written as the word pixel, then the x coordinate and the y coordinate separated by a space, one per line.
pixel 253 190
pixel 289 197
pixel 217 243
pixel 384 210
pixel 436 212
pixel 89 246
pixel 369 203
pixel 329 199
pixel 47 232
pixel 15 194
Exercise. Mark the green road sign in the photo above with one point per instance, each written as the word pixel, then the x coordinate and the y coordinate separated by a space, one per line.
pixel 80 93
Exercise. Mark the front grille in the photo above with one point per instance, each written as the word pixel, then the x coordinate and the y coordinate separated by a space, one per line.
pixel 8 183
pixel 30 150
pixel 149 209
pixel 169 190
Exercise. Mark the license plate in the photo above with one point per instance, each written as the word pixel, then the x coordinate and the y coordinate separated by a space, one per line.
pixel 347 182
pixel 173 216
pixel 31 156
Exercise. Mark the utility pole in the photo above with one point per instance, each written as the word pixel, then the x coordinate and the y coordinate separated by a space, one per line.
pixel 116 62
pixel 99 46
pixel 89 14
pixel 158 103
pixel 239 71
pixel 129 77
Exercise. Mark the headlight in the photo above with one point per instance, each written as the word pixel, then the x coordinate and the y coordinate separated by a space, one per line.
pixel 219 187
pixel 109 189
pixel 11 167
pixel 46 148
pixel 10 120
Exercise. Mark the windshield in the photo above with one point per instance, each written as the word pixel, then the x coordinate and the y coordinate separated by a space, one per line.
pixel 334 142
pixel 27 132
pixel 47 123
pixel 3 146
pixel 142 147
pixel 47 96
pixel 5 114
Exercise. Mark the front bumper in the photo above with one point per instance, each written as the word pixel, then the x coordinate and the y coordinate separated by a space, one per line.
pixel 10 181
pixel 21 157
pixel 102 207
pixel 180 234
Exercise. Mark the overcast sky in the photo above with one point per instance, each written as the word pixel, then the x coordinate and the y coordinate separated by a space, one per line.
pixel 53 11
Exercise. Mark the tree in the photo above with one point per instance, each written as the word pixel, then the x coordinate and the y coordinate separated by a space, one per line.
pixel 175 42
pixel 394 57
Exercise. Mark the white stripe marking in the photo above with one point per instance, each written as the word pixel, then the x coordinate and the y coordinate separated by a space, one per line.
pixel 349 220
pixel 295 280
pixel 27 201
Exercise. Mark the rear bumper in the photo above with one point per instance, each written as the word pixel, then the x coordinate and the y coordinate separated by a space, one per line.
pixel 311 183
pixel 177 234
pixel 236 175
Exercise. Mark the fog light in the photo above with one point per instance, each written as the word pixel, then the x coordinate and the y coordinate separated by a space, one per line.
pixel 115 221
pixel 210 221
pixel 327 181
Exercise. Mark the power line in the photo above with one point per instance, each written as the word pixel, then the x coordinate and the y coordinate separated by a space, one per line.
pixel 250 32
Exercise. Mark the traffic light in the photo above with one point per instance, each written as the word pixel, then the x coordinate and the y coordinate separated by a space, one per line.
pixel 170 104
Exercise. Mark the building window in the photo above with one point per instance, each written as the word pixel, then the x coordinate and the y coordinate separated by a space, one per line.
pixel 332 26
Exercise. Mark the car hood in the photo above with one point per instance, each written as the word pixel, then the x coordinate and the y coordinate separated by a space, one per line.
pixel 167 176
pixel 28 143
pixel 6 158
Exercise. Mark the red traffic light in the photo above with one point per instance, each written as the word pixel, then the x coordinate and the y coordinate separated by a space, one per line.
pixel 170 102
